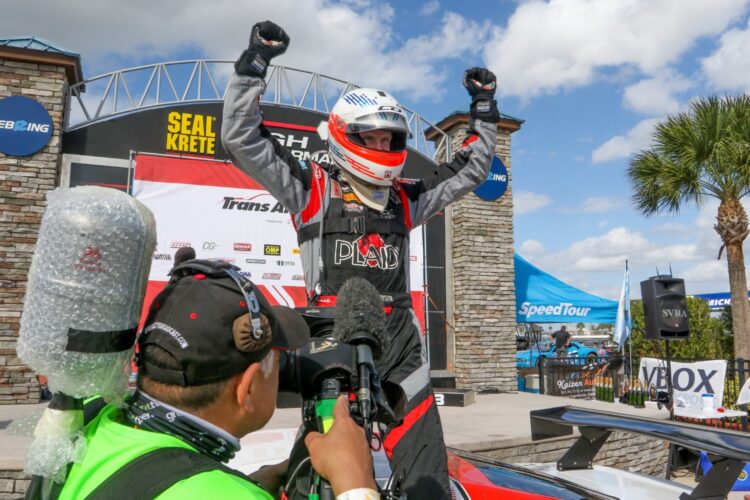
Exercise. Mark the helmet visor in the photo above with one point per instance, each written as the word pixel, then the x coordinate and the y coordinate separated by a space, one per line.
pixel 382 120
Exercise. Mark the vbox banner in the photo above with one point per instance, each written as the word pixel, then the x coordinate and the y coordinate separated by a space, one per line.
pixel 689 380
pixel 223 214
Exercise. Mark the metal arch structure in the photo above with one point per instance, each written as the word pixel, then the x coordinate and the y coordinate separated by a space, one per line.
pixel 205 80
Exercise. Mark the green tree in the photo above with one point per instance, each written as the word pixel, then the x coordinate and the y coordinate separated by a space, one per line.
pixel 704 153
pixel 709 338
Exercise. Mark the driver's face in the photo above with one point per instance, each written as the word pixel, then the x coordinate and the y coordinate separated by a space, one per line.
pixel 379 140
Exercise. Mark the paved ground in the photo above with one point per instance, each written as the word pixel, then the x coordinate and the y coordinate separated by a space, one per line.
pixel 493 421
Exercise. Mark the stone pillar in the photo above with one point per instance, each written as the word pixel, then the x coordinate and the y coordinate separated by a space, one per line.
pixel 480 276
pixel 42 73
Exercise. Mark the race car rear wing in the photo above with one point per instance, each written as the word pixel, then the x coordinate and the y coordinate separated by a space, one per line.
pixel 729 450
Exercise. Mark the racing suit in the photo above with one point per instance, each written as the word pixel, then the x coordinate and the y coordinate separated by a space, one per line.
pixel 340 238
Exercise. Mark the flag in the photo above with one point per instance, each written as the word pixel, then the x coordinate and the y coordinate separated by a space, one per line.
pixel 623 322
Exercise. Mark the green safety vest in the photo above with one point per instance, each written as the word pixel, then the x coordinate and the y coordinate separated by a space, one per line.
pixel 112 445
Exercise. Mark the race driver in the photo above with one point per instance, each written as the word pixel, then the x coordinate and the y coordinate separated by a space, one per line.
pixel 353 218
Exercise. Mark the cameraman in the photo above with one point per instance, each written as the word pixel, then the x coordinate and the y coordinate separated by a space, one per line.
pixel 353 219
pixel 208 375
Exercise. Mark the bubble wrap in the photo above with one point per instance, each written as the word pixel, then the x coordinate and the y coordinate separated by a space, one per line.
pixel 58 441
pixel 89 272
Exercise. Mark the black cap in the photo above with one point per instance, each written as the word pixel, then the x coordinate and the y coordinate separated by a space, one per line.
pixel 203 322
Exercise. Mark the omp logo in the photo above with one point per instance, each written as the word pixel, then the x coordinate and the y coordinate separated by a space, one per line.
pixel 243 247
pixel 24 126
pixel 271 276
pixel 271 249
pixel 250 205
pixel 562 309
pixel 180 244
pixel 367 251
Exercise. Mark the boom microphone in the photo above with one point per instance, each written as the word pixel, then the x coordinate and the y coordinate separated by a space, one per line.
pixel 360 318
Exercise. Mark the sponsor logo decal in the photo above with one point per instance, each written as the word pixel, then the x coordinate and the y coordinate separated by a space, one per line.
pixel 180 244
pixel 353 207
pixel 191 133
pixel 271 249
pixel 25 126
pixel 228 260
pixel 271 276
pixel 243 247
pixel 368 250
pixel 285 262
pixel 295 251
pixel 298 277
pixel 162 256
pixel 388 213
pixel 561 309
pixel 209 245
pixel 351 197
pixel 255 261
pixel 251 204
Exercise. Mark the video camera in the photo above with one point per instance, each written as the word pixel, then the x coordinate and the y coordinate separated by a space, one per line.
pixel 338 360
pixel 326 368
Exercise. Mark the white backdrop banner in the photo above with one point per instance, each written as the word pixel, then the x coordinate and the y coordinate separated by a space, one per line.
pixel 222 213
pixel 689 380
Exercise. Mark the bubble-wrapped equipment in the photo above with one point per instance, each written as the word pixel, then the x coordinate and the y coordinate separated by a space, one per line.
pixel 83 303
pixel 85 291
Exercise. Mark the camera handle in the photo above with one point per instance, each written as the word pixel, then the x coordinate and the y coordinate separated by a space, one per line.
pixel 320 489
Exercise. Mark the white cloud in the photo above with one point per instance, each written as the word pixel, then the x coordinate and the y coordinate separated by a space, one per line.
pixel 595 264
pixel 531 247
pixel 705 272
pixel 622 146
pixel 430 8
pixel 728 67
pixel 596 204
pixel 525 202
pixel 584 38
pixel 655 96
pixel 353 41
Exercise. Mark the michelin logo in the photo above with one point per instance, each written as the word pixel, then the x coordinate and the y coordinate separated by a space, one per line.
pixel 562 309
pixel 24 126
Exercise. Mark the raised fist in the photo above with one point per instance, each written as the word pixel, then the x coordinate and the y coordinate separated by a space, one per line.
pixel 481 84
pixel 267 40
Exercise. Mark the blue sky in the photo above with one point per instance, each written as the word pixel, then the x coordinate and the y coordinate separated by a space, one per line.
pixel 589 77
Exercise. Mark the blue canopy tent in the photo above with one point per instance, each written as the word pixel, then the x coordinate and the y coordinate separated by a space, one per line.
pixel 542 298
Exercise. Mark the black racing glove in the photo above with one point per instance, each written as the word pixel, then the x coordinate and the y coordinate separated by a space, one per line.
pixel 267 40
pixel 481 84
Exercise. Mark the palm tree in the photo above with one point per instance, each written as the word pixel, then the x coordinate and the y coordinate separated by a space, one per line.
pixel 700 154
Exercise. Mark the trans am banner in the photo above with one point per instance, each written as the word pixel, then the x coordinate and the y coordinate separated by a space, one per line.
pixel 542 298
pixel 214 208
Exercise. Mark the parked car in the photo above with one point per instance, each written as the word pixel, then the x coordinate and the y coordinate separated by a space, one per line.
pixel 530 357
